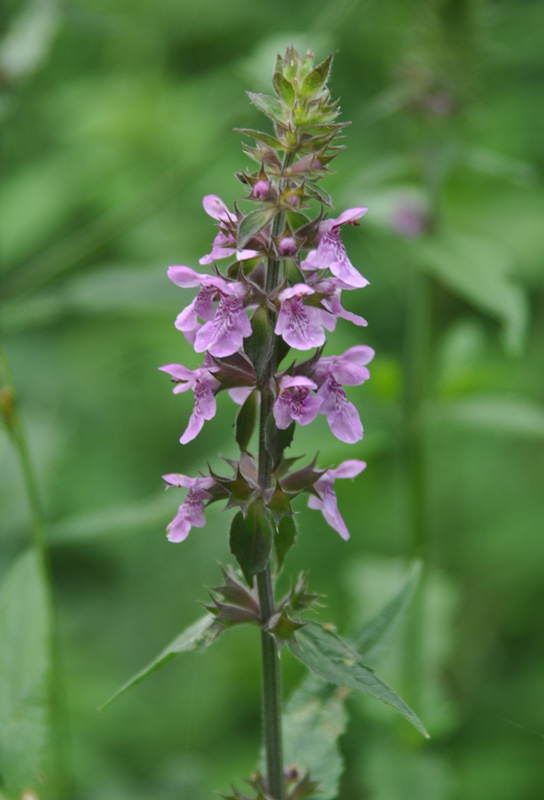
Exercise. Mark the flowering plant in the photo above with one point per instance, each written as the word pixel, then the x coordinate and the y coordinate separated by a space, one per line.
pixel 275 282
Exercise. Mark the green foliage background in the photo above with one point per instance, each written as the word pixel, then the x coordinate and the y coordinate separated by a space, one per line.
pixel 117 119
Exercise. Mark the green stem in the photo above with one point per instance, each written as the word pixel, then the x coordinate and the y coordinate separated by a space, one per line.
pixel 416 357
pixel 272 691
pixel 39 542
pixel 271 665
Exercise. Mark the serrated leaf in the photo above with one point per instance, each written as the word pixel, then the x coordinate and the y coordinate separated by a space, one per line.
pixel 251 540
pixel 24 668
pixel 267 138
pixel 197 636
pixel 268 105
pixel 253 224
pixel 375 633
pixel 317 78
pixel 245 421
pixel 316 191
pixel 480 271
pixel 334 661
pixel 284 89
pixel 313 721
pixel 284 539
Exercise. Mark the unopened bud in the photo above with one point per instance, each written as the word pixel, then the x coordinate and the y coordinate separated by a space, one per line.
pixel 261 189
pixel 293 200
pixel 287 246
pixel 7 406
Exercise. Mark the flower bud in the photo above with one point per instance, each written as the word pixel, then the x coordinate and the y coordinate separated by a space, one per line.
pixel 287 246
pixel 261 189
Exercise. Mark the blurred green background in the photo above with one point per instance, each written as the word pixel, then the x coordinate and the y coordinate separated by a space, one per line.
pixel 117 119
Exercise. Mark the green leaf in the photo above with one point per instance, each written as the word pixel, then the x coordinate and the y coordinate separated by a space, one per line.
pixel 297 220
pixel 251 540
pixel 499 166
pixel 480 271
pixel 284 89
pixel 253 224
pixel 258 346
pixel 313 721
pixel 316 191
pixel 24 672
pixel 245 421
pixel 271 141
pixel 284 539
pixel 268 105
pixel 291 63
pixel 317 78
pixel 374 634
pixel 334 661
pixel 277 439
pixel 196 637
pixel 506 416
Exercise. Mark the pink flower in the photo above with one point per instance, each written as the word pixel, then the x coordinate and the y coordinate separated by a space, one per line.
pixel 327 502
pixel 191 511
pixel 224 328
pixel 295 401
pixel 216 209
pixel 301 326
pixel 333 303
pixel 224 244
pixel 333 372
pixel 203 384
pixel 331 253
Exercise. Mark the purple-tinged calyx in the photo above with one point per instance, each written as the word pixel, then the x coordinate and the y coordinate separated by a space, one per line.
pixel 191 511
pixel 295 402
pixel 327 502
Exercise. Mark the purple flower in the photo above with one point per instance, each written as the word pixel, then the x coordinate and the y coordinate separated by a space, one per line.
pixel 225 327
pixel 327 502
pixel 331 253
pixel 333 303
pixel 295 401
pixel 301 326
pixel 334 372
pixel 216 209
pixel 224 244
pixel 239 394
pixel 191 511
pixel 203 384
